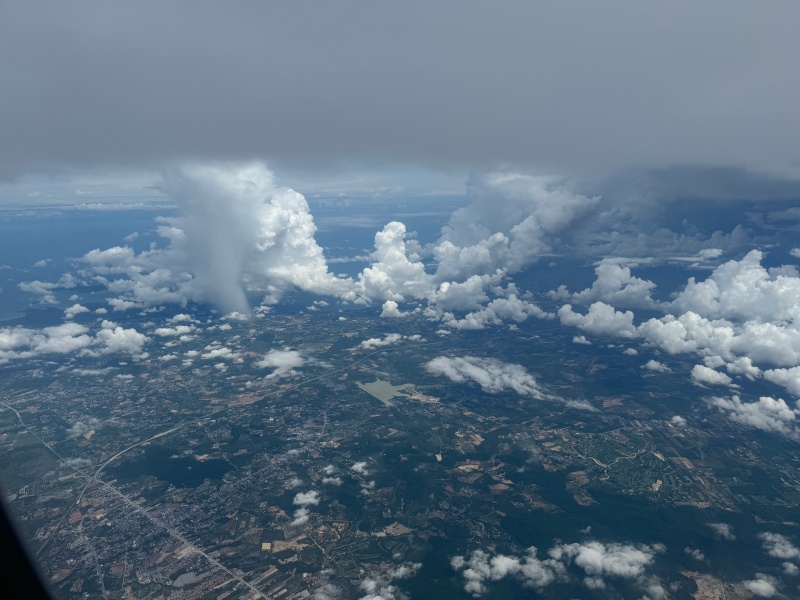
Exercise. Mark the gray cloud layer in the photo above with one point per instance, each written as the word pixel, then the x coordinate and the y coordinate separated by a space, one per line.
pixel 547 86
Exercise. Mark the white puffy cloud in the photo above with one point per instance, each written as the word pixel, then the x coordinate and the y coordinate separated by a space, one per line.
pixel 283 361
pixel 744 366
pixel 694 553
pixel 615 285
pixel 73 310
pixel 596 560
pixel 300 517
pixel 115 338
pixel 654 365
pixel 181 318
pixel 360 468
pixel 391 309
pixel 743 314
pixel 45 289
pixel 174 331
pixel 397 272
pixel 763 586
pixel 379 586
pixel 580 339
pixel 767 414
pixel 21 342
pixel 678 421
pixel 216 351
pixel 788 378
pixel 701 374
pixel 306 498
pixel 742 290
pixel 722 530
pixel 83 427
pixel 779 546
pixel 480 567
pixel 467 295
pixel 496 312
pixel 332 480
pixel 601 319
pixel 388 340
pixel 239 231
pixel 491 374
pixel 479 238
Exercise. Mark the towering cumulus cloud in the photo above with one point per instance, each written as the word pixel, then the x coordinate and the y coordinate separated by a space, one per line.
pixel 238 231
pixel 219 230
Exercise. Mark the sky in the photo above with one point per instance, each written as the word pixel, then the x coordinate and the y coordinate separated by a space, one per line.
pixel 317 90
pixel 621 135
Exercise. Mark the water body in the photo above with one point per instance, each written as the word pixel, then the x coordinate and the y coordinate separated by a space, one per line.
pixel 181 472
pixel 384 391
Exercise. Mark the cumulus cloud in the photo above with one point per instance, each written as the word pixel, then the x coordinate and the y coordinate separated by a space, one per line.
pixel 601 319
pixel 694 553
pixel 300 517
pixel 283 361
pixel 615 285
pixel 238 231
pixel 496 312
pixel 306 498
pixel 597 561
pixel 216 351
pixel 743 314
pixel 73 310
pixel 479 239
pixel 115 338
pixel 742 290
pixel 491 374
pixel 654 365
pixel 788 378
pixel 767 414
pixel 480 567
pixel 701 374
pixel 83 427
pixel 388 340
pixel 581 339
pixel 22 342
pixel 779 546
pixel 391 309
pixel 360 468
pixel 174 331
pixel 763 586
pixel 722 530
pixel 379 586
pixel 45 289
pixel 744 366
pixel 678 421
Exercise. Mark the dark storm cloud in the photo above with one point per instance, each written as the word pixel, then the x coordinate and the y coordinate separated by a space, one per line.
pixel 561 86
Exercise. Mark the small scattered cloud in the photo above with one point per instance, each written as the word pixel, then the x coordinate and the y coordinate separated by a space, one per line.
pixel 762 586
pixel 702 375
pixel 283 361
pixel 360 468
pixel 306 498
pixel 75 309
pixel 654 365
pixel 722 530
pixel 491 374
